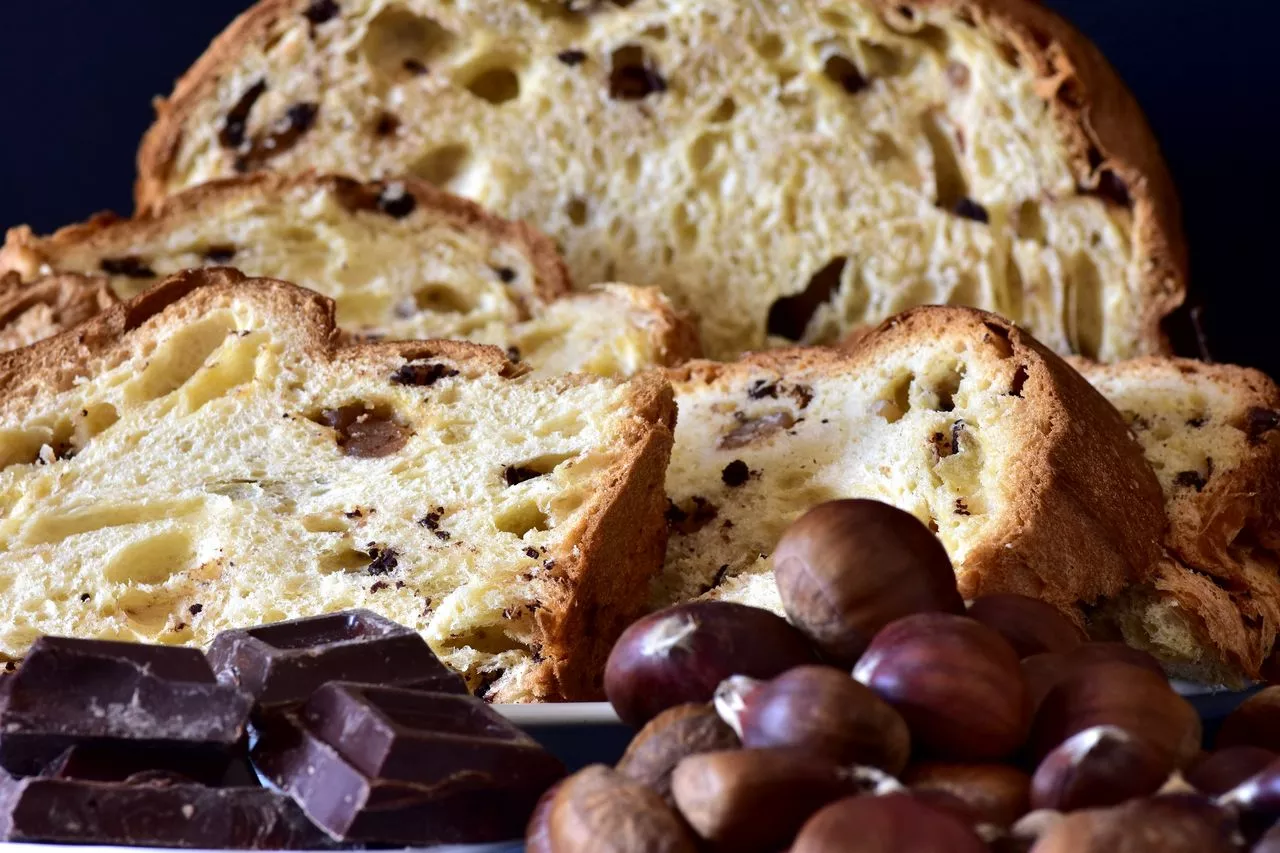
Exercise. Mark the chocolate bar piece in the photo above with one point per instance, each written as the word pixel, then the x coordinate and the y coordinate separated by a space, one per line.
pixel 393 766
pixel 112 763
pixel 150 699
pixel 152 813
pixel 283 664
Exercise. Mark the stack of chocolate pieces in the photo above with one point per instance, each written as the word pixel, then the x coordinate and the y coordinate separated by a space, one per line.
pixel 361 735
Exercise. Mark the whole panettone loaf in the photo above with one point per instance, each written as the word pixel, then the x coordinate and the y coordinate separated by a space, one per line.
pixel 209 456
pixel 400 259
pixel 1212 434
pixel 788 171
pixel 1028 476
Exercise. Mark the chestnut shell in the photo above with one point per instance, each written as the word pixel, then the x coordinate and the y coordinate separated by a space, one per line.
pixel 1031 626
pixel 681 654
pixel 888 824
pixel 847 568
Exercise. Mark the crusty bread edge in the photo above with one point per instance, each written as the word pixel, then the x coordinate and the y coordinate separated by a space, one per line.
pixel 1091 517
pixel 1103 125
pixel 619 545
pixel 24 252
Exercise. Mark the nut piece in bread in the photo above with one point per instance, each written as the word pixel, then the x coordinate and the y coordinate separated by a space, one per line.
pixel 209 456
pixel 401 260
pixel 787 171
pixel 1028 476
pixel 1212 434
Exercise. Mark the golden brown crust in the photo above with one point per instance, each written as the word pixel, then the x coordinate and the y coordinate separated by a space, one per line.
pixel 26 253
pixel 1111 146
pixel 598 589
pixel 30 312
pixel 1105 131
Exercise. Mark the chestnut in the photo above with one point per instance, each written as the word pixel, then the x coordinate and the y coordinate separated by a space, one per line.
pixel 1121 695
pixel 756 799
pixel 1255 723
pixel 1042 672
pixel 1031 626
pixel 1217 772
pixel 992 794
pixel 955 681
pixel 599 811
pixel 1269 842
pixel 889 824
pixel 537 834
pixel 1163 824
pixel 1110 652
pixel 1258 796
pixel 1100 766
pixel 847 568
pixel 673 735
pixel 820 709
pixel 682 653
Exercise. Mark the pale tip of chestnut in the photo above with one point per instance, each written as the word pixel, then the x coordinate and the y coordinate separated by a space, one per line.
pixel 730 699
pixel 672 631
pixel 874 782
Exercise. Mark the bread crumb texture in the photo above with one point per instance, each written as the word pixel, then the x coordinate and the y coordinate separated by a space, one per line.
pixel 1212 435
pixel 786 171
pixel 400 259
pixel 221 465
pixel 1027 477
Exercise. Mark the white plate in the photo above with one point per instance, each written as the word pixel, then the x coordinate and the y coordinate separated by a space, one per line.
pixel 560 714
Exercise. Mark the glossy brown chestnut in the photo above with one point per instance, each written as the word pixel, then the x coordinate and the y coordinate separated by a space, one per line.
pixel 750 800
pixel 1109 652
pixel 1217 772
pixel 819 709
pixel 1031 626
pixel 1258 796
pixel 1164 824
pixel 1046 669
pixel 955 681
pixel 1269 842
pixel 847 568
pixel 889 824
pixel 1121 695
pixel 673 735
pixel 537 834
pixel 1100 766
pixel 992 794
pixel 680 654
pixel 1255 723
pixel 599 811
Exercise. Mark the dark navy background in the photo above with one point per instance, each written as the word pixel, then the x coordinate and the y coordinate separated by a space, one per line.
pixel 77 78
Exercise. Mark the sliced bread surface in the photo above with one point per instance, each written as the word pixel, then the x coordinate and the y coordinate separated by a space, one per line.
pixel 209 455
pixel 33 312
pixel 1029 478
pixel 787 171
pixel 1212 434
pixel 401 260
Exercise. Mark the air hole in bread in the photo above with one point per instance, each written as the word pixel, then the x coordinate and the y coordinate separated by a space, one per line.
pixel 897 399
pixel 903 18
pixel 539 466
pixel 1029 222
pixel 1009 53
pixel 633 75
pixel 837 20
pixel 94 419
pixel 841 71
pixel 945 388
pixel 179 357
pixel 522 518
pixel 884 149
pixel 1084 298
pixel 881 60
pixel 442 165
pixel 770 47
pixel 397 41
pixel 576 210
pixel 497 85
pixel 789 316
pixel 1019 381
pixel 935 37
pixel 441 299
pixel 22 447
pixel 147 611
pixel 325 522
pixel 950 185
pixel 703 150
pixel 152 559
pixel 724 111
pixel 344 559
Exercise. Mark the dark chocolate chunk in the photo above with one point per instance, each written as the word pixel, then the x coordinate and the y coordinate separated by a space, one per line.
pixel 232 134
pixel 414 66
pixel 505 274
pixel 970 209
pixel 1190 480
pixel 397 202
pixel 514 475
pixel 789 316
pixel 699 513
pixel 283 134
pixel 386 125
pixel 130 266
pixel 421 374
pixel 113 763
pixel 1259 422
pixel 222 253
pixel 153 813
pixel 632 75
pixel 571 57
pixel 365 433
pixel 762 388
pixel 381 765
pixel 102 694
pixel 735 473
pixel 283 664
pixel 319 11
pixel 383 560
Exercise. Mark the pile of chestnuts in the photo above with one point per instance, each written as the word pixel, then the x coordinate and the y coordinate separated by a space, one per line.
pixel 993 727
